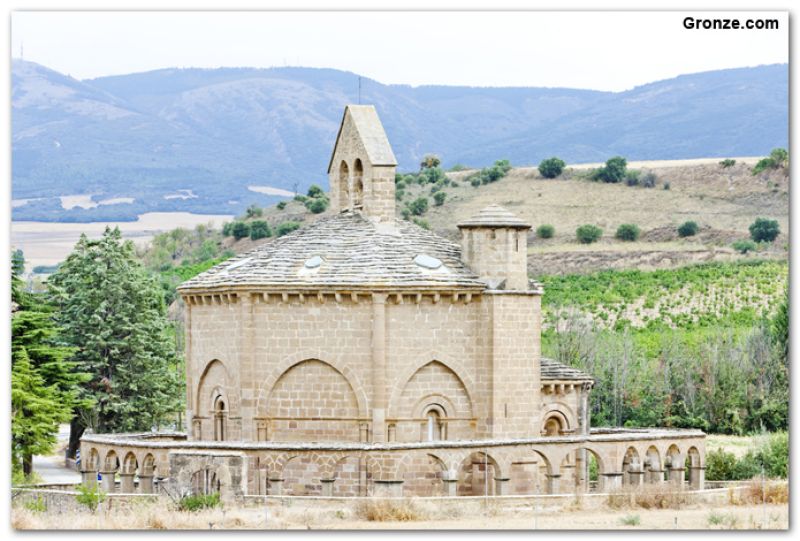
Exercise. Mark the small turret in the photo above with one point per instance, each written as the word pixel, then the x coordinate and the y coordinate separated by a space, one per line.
pixel 494 244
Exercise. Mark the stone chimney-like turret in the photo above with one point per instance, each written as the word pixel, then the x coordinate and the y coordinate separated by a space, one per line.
pixel 494 244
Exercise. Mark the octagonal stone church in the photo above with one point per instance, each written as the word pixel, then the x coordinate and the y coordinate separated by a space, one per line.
pixel 365 355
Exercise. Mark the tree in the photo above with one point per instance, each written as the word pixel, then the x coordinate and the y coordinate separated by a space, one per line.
pixel 627 232
pixel 36 412
pixel 113 312
pixel 551 167
pixel 727 162
pixel 315 191
pixel 688 229
pixel 587 234
pixel 44 384
pixel 430 161
pixel 240 230
pixel 614 170
pixel 439 198
pixel 764 230
pixel 259 229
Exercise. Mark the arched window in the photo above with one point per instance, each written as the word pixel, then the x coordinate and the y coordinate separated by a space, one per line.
pixel 552 427
pixel 358 184
pixel 344 186
pixel 219 419
pixel 434 428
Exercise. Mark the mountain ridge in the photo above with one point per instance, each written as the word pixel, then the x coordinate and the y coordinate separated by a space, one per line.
pixel 217 131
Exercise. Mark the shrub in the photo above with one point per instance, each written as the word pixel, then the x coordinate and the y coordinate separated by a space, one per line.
pixel 551 167
pixel 37 505
pixel 779 157
pixel 728 162
pixel 282 205
pixel 419 206
pixel 317 205
pixel 458 167
pixel 259 229
pixel 688 229
pixel 545 231
pixel 285 228
pixel 240 230
pixel 399 194
pixel 631 520
pixel 666 185
pixel 254 211
pixel 227 229
pixel 648 180
pixel 627 232
pixel 475 182
pixel 199 502
pixel 614 170
pixel 315 191
pixel 91 496
pixel 632 178
pixel 439 198
pixel 389 510
pixel 431 176
pixel 764 230
pixel 588 233
pixel 400 184
pixel 744 246
pixel 405 213
pixel 720 465
pixel 301 198
pixel 422 223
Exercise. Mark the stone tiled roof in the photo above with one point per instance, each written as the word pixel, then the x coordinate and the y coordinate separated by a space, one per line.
pixel 555 371
pixel 495 215
pixel 348 251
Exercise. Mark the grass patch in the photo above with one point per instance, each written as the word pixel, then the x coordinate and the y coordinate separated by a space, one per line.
pixel 389 511
pixel 631 520
pixel 199 502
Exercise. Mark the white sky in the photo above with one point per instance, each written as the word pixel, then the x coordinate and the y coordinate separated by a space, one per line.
pixel 597 50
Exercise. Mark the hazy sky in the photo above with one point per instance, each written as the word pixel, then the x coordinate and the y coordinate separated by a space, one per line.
pixel 598 50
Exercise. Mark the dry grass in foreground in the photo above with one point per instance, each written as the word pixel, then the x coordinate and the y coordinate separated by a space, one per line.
pixel 753 507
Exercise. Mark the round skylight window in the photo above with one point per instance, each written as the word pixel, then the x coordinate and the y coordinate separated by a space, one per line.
pixel 313 262
pixel 427 262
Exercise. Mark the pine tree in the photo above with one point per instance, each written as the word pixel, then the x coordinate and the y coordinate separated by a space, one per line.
pixel 36 412
pixel 114 313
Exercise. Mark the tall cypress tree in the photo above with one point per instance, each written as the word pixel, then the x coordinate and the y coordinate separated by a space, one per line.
pixel 113 312
pixel 44 384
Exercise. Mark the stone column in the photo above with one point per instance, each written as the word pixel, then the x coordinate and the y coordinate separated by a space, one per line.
pixel 697 477
pixel 388 489
pixel 327 487
pixel 450 487
pixel 611 481
pixel 275 487
pixel 108 483
pixel 126 485
pixel 676 476
pixel 501 485
pixel 189 362
pixel 145 484
pixel 636 477
pixel 553 483
pixel 89 478
pixel 656 476
pixel 379 367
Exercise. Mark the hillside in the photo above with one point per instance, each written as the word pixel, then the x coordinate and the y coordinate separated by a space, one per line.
pixel 196 139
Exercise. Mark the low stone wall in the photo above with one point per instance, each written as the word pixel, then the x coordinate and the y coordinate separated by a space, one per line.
pixel 544 465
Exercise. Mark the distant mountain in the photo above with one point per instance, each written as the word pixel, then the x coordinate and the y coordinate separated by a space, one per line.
pixel 217 131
